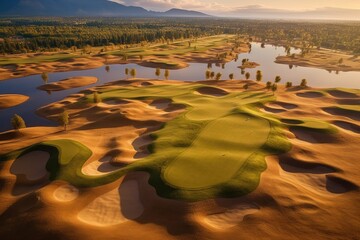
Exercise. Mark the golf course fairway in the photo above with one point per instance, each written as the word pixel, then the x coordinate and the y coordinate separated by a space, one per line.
pixel 213 143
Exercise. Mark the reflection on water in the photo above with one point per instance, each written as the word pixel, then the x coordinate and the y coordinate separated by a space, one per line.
pixel 196 71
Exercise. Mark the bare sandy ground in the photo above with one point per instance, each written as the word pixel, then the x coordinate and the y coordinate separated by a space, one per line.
pixel 115 207
pixel 66 193
pixel 11 100
pixel 313 190
pixel 324 59
pixel 68 83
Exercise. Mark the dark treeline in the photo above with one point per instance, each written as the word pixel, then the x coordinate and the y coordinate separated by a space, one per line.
pixel 21 35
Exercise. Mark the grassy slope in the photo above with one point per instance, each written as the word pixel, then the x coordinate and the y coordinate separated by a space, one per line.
pixel 216 148
pixel 176 48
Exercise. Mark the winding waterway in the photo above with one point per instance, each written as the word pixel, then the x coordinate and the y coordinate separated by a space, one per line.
pixel 196 71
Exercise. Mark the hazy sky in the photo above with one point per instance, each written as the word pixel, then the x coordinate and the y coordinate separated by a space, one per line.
pixel 227 5
pixel 277 9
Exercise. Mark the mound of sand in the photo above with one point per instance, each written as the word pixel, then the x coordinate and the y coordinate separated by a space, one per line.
pixel 66 193
pixel 31 165
pixel 101 167
pixel 11 100
pixel 117 206
pixel 68 83
pixel 229 218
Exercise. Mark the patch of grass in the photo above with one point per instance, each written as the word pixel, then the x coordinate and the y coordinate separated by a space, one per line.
pixel 37 59
pixel 216 148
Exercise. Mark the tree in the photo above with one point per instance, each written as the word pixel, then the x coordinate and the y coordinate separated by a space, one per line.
pixel 247 75
pixel 64 119
pixel 277 79
pixel 17 122
pixel 107 68
pixel 207 74
pixel 97 98
pixel 45 77
pixel 212 75
pixel 167 74
pixel 231 76
pixel 246 86
pixel 259 76
pixel 268 85
pixel 274 88
pixel 289 84
pixel 218 76
pixel 303 83
pixel 133 73
pixel 127 72
pixel 158 72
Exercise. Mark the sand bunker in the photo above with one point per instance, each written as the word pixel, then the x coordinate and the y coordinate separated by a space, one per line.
pixel 343 112
pixel 66 193
pixel 338 185
pixel 342 94
pixel 310 94
pixel 229 218
pixel 216 92
pixel 101 167
pixel 31 165
pixel 11 100
pixel 312 136
pixel 273 110
pixel 161 103
pixel 293 165
pixel 347 126
pixel 114 207
pixel 68 83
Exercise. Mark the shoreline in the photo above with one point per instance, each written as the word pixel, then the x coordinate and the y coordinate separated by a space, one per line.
pixel 176 60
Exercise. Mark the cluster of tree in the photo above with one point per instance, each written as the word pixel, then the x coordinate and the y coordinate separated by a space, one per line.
pixel 19 35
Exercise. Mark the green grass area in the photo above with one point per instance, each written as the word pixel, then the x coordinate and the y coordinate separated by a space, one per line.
pixel 216 148
pixel 159 50
pixel 176 48
pixel 37 59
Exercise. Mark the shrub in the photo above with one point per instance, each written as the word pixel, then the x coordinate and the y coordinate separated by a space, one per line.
pixel 17 122
pixel 303 83
pixel 277 79
pixel 64 119
pixel 97 98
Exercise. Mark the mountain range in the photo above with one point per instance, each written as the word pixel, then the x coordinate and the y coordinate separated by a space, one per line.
pixel 103 8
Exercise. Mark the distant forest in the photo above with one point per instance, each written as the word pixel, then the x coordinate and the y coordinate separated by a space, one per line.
pixel 23 35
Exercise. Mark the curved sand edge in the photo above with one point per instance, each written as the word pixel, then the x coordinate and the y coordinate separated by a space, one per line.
pixel 323 59
pixel 66 193
pixel 174 65
pixel 11 100
pixel 31 165
pixel 68 83
pixel 117 206
pixel 229 218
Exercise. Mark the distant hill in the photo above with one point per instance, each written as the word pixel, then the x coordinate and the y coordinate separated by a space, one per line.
pixel 84 8
pixel 175 12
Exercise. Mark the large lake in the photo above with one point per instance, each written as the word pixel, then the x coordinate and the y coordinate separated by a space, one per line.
pixel 196 71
